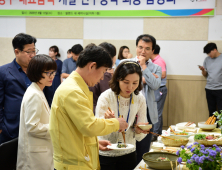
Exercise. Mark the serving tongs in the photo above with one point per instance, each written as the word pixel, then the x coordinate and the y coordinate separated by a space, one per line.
pixel 159 135
pixel 189 123
pixel 123 133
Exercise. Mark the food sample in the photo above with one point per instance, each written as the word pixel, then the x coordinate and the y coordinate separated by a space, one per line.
pixel 121 145
pixel 181 133
pixel 211 120
pixel 163 159
pixel 208 137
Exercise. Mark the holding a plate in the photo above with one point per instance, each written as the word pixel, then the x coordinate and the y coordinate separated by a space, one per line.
pixel 123 99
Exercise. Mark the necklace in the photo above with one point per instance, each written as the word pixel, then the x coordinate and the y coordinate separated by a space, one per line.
pixel 129 107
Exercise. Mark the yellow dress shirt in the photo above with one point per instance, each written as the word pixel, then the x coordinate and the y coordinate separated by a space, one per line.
pixel 74 128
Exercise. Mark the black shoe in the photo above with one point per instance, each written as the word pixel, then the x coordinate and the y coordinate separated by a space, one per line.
pixel 154 138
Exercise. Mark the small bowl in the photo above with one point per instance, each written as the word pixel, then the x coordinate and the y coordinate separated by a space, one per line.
pixel 145 127
pixel 186 136
pixel 206 127
pixel 150 159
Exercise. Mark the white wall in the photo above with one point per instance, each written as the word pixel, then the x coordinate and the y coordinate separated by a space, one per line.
pixel 182 57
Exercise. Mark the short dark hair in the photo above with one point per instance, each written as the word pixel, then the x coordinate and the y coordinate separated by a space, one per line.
pixel 96 54
pixel 209 47
pixel 76 49
pixel 147 38
pixel 111 49
pixel 69 51
pixel 38 65
pixel 21 39
pixel 156 49
pixel 120 55
pixel 123 69
pixel 55 49
pixel 90 45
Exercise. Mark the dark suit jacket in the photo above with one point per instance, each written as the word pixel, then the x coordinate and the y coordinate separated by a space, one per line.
pixel 12 89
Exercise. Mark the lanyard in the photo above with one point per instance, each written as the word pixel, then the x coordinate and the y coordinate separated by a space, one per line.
pixel 129 107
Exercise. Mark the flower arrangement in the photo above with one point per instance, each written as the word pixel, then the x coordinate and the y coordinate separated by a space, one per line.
pixel 219 117
pixel 199 157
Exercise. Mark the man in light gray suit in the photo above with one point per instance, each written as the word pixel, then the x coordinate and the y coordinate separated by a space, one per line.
pixel 145 45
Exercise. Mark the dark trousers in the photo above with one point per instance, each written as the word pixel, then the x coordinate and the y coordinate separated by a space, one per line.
pixel 160 104
pixel 144 145
pixel 4 138
pixel 125 162
pixel 214 100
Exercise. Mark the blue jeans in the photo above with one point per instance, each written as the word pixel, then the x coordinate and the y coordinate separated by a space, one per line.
pixel 160 104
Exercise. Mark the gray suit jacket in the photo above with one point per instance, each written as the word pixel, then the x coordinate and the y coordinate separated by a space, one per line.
pixel 152 83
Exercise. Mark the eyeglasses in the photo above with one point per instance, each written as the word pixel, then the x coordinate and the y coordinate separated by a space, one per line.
pixel 32 52
pixel 50 73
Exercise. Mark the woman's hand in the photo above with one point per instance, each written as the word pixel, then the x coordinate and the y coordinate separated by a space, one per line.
pixel 138 130
pixel 103 145
pixel 109 114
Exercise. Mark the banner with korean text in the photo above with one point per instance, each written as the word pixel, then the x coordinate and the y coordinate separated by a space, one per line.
pixel 107 8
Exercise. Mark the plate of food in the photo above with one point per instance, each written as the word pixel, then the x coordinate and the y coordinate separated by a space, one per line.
pixel 120 146
pixel 182 134
pixel 145 127
pixel 208 139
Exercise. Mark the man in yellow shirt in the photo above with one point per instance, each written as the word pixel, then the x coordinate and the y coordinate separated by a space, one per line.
pixel 73 126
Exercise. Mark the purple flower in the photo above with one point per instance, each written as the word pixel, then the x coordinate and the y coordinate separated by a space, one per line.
pixel 178 152
pixel 214 145
pixel 202 146
pixel 195 143
pixel 208 158
pixel 193 157
pixel 200 168
pixel 197 159
pixel 192 149
pixel 203 151
pixel 179 159
pixel 201 159
pixel 212 153
pixel 189 161
pixel 189 147
pixel 218 149
pixel 182 147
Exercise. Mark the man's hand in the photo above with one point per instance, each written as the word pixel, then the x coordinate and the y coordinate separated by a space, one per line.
pixel 201 68
pixel 64 75
pixel 204 72
pixel 142 61
pixel 138 130
pixel 122 124
pixel 109 114
pixel 103 145
pixel 0 131
pixel 155 75
pixel 144 80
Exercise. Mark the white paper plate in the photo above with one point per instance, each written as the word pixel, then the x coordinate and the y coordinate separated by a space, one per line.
pixel 114 147
pixel 182 126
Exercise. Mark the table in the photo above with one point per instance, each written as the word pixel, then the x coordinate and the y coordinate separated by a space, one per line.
pixel 191 141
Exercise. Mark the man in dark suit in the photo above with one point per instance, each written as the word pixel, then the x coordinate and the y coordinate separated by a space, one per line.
pixel 13 84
